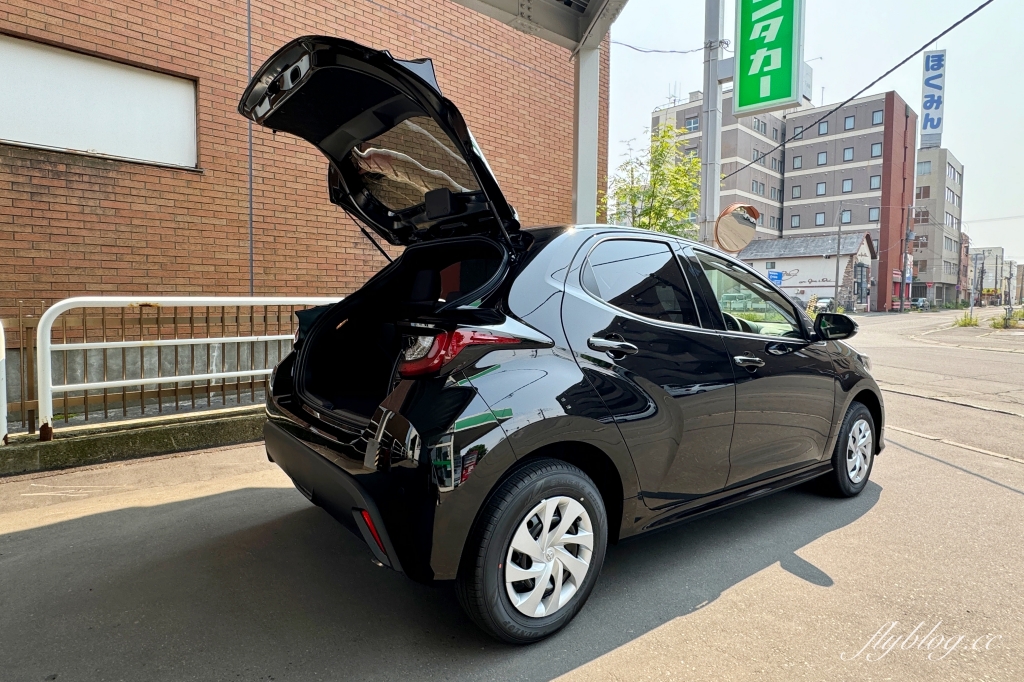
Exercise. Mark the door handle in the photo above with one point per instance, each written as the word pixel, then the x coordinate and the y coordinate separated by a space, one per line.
pixel 748 361
pixel 611 346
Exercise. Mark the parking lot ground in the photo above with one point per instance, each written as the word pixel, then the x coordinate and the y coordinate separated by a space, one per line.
pixel 210 566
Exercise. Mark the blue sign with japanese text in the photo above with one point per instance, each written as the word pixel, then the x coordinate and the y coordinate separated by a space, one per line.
pixel 775 276
pixel 933 98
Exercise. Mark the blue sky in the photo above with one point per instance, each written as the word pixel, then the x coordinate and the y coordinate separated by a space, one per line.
pixel 858 40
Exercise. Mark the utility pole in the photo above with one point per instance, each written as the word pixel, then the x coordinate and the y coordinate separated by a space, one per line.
pixel 839 240
pixel 711 120
pixel 904 248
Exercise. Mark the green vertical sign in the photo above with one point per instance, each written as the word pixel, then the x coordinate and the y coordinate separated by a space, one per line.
pixel 769 55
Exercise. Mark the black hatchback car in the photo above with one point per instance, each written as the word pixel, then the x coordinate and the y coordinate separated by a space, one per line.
pixel 498 404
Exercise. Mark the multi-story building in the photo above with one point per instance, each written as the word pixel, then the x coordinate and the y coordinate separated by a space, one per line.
pixel 990 273
pixel 854 171
pixel 744 139
pixel 1019 295
pixel 938 207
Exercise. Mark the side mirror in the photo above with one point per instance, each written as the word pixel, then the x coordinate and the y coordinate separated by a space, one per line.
pixel 834 326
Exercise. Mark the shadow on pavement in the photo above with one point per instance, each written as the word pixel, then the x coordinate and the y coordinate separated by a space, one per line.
pixel 257 585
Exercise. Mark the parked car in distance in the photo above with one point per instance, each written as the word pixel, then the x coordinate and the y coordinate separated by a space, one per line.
pixel 499 404
pixel 825 305
pixel 920 304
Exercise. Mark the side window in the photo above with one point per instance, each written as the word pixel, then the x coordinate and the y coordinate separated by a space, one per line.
pixel 641 277
pixel 747 303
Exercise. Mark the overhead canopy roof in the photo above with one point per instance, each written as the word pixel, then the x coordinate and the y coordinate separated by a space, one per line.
pixel 573 24
pixel 812 245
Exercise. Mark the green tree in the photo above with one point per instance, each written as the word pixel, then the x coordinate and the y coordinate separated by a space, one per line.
pixel 657 188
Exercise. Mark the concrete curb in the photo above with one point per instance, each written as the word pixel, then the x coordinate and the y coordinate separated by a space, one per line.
pixel 128 441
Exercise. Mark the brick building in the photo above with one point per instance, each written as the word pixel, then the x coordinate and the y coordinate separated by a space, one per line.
pixel 856 170
pixel 84 223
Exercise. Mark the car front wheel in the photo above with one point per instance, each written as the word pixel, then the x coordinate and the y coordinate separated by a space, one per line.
pixel 854 454
pixel 535 552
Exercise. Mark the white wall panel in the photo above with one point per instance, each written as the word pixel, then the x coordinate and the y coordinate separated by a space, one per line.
pixel 63 100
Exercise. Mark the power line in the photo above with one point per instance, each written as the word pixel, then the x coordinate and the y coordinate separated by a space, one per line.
pixel 993 220
pixel 872 83
pixel 648 50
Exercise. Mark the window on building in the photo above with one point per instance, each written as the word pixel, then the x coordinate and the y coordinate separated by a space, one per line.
pixel 794 221
pixel 950 220
pixel 876 150
pixel 921 216
pixel 847 185
pixel 642 277
pixel 798 133
pixel 849 122
pixel 846 217
pixel 655 122
pixel 819 219
pixel 796 191
pixel 848 154
pixel 948 244
pixel 775 133
pixel 924 167
pixel 65 100
pixel 773 193
pixel 923 192
pixel 874 214
pixel 823 128
pixel 772 223
pixel 819 189
pixel 760 219
pixel 822 158
pixel 693 124
pixel 921 265
pixel 769 265
pixel 876 118
pixel 798 162
pixel 875 182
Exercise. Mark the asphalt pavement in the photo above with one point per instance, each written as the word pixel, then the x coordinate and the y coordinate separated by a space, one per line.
pixel 210 566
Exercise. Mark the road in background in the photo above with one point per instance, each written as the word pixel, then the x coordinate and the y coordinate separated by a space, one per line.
pixel 211 566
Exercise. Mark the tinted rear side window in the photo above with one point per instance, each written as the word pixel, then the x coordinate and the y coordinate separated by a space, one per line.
pixel 641 277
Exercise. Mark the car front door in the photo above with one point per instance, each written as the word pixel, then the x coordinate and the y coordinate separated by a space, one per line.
pixel 633 325
pixel 785 383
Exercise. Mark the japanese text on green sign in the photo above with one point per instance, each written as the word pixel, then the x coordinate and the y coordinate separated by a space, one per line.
pixel 769 54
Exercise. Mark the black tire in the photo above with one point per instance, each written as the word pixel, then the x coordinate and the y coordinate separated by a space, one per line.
pixel 841 482
pixel 480 585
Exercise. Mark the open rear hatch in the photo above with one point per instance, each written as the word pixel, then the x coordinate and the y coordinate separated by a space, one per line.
pixel 402 160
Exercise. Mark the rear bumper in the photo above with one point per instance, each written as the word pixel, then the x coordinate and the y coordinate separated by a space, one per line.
pixel 327 486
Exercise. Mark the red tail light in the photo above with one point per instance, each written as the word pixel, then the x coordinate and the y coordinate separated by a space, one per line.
pixel 373 530
pixel 442 349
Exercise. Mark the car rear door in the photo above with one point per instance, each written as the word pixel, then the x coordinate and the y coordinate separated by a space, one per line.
pixel 785 383
pixel 633 325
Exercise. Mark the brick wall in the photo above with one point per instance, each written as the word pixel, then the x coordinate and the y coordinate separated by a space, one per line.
pixel 898 176
pixel 74 225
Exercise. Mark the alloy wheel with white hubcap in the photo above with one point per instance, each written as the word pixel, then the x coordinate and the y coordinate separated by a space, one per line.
pixel 859 449
pixel 549 556
pixel 854 452
pixel 535 552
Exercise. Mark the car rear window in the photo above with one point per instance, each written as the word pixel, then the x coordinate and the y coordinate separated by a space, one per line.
pixel 641 277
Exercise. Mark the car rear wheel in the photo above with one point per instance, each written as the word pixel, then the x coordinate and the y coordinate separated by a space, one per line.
pixel 535 552
pixel 854 454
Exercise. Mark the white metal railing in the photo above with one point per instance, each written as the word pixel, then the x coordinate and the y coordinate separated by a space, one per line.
pixel 44 347
pixel 3 386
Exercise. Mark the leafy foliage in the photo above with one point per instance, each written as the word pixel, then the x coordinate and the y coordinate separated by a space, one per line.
pixel 966 321
pixel 657 188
